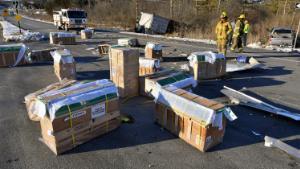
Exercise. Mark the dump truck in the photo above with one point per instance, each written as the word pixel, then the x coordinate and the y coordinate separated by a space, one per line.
pixel 68 19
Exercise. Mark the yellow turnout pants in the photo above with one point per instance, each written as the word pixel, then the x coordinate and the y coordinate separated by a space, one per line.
pixel 222 46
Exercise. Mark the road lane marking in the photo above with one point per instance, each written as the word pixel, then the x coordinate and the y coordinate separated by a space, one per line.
pixel 288 60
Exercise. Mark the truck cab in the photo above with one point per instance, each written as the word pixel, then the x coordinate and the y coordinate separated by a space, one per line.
pixel 70 19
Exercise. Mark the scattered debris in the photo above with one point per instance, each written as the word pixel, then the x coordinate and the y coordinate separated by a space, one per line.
pixel 131 42
pixel 238 97
pixel 125 118
pixel 255 133
pixel 12 33
pixel 238 65
pixel 40 56
pixel 272 142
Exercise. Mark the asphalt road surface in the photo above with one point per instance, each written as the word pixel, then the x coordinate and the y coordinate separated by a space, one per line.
pixel 144 144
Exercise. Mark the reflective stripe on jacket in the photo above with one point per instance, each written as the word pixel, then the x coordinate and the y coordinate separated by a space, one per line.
pixel 247 28
pixel 223 29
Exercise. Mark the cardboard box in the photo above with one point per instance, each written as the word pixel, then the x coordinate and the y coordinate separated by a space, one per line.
pixel 9 55
pixel 30 100
pixel 77 113
pixel 86 34
pixel 193 130
pixel 148 66
pixel 61 38
pixel 150 84
pixel 207 65
pixel 60 142
pixel 64 64
pixel 153 50
pixel 124 70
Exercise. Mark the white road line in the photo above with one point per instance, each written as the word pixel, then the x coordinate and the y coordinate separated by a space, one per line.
pixel 288 60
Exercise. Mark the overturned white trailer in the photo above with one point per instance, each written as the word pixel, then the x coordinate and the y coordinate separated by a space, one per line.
pixel 153 23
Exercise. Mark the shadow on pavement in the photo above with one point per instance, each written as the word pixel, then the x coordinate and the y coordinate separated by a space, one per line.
pixel 252 125
pixel 88 59
pixel 93 75
pixel 211 89
pixel 142 131
pixel 175 59
pixel 269 71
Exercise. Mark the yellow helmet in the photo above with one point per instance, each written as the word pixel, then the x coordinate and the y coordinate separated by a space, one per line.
pixel 242 16
pixel 223 15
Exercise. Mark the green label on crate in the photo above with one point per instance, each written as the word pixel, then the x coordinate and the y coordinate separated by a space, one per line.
pixel 80 105
pixel 172 79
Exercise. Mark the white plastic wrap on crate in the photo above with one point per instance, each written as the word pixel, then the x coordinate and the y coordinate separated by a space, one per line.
pixel 87 30
pixel 103 88
pixel 179 84
pixel 22 51
pixel 62 34
pixel 154 46
pixel 207 56
pixel 155 63
pixel 127 42
pixel 62 55
pixel 190 108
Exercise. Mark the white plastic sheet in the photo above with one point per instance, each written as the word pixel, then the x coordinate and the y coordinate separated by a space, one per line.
pixel 155 63
pixel 62 34
pixel 12 33
pixel 103 87
pixel 21 55
pixel 154 46
pixel 208 56
pixel 127 42
pixel 62 55
pixel 190 81
pixel 184 105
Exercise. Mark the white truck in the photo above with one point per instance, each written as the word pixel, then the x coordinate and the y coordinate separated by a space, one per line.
pixel 70 19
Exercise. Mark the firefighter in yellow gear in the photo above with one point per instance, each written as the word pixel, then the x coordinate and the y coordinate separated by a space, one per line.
pixel 238 33
pixel 223 30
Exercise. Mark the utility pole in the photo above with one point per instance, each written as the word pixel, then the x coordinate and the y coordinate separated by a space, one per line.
pixel 296 38
pixel 89 4
pixel 136 9
pixel 171 9
pixel 285 7
pixel 219 4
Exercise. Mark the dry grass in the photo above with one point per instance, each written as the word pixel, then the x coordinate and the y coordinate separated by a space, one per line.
pixel 193 23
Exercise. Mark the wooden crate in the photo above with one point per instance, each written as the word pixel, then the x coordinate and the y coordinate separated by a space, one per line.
pixel 124 70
